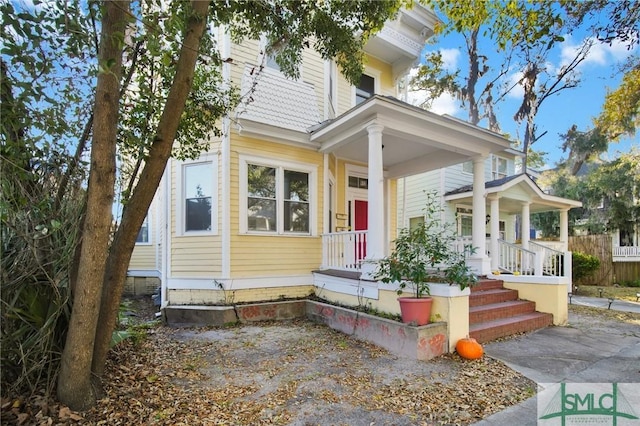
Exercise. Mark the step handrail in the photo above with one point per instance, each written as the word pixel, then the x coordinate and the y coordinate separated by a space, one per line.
pixel 515 259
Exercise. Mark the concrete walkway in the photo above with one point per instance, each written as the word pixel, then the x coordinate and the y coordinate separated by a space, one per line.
pixel 603 302
pixel 588 349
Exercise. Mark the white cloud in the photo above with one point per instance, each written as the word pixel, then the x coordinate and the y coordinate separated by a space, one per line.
pixel 445 104
pixel 600 53
pixel 450 59
pixel 512 81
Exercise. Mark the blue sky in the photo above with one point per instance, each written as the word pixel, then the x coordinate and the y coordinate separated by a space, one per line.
pixel 598 73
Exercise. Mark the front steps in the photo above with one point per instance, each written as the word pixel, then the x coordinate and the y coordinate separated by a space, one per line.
pixel 496 312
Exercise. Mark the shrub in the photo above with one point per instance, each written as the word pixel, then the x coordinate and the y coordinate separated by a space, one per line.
pixel 583 265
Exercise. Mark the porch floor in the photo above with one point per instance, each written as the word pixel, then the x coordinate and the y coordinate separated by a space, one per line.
pixel 350 275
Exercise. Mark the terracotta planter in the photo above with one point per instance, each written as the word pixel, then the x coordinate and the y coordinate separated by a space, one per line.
pixel 416 310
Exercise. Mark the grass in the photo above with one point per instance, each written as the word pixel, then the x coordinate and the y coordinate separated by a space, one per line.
pixel 628 317
pixel 620 293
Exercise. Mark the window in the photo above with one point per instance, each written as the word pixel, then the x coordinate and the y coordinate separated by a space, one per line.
pixel 467 167
pixel 626 235
pixel 464 221
pixel 415 222
pixel 199 191
pixel 365 88
pixel 143 234
pixel 499 167
pixel 271 61
pixel 278 198
pixel 358 182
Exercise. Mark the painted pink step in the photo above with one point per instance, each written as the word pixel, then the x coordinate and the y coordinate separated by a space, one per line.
pixel 496 312
pixel 491 330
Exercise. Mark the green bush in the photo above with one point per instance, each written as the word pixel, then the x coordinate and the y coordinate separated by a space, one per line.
pixel 583 265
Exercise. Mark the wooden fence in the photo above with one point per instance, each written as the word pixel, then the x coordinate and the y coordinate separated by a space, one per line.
pixel 609 272
pixel 626 271
pixel 600 247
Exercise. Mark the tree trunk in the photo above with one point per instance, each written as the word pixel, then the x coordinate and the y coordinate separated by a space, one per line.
pixel 74 381
pixel 141 197
pixel 472 78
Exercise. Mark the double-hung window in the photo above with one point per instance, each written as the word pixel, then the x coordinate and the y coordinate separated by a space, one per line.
pixel 278 197
pixel 365 88
pixel 143 234
pixel 197 211
pixel 499 167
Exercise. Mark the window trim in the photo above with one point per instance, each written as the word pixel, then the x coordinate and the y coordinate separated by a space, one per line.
pixel 376 74
pixel 330 89
pixel 263 60
pixel 180 207
pixel 495 174
pixel 280 166
pixel 149 238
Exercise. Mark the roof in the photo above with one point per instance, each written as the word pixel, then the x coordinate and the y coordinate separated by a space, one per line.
pixel 513 191
pixel 487 185
pixel 273 99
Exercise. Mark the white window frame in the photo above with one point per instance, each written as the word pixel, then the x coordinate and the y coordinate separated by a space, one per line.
pixel 180 208
pixel 263 59
pixel 280 166
pixel 146 220
pixel 330 90
pixel 459 215
pixel 495 174
pixel 465 164
pixel 376 74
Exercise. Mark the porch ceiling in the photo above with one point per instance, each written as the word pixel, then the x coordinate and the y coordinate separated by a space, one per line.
pixel 414 140
pixel 513 192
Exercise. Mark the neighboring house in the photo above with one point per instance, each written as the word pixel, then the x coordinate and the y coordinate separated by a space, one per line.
pixel 504 229
pixel 300 194
pixel 625 241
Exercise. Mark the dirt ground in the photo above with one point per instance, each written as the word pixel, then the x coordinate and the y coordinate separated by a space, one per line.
pixel 284 373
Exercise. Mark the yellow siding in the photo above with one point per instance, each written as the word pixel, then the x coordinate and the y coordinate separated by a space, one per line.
pixel 143 257
pixel 387 85
pixel 313 72
pixel 194 256
pixel 261 255
pixel 247 53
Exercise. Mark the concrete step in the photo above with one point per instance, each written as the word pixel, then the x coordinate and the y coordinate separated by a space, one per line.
pixel 494 311
pixel 487 284
pixel 486 297
pixel 491 330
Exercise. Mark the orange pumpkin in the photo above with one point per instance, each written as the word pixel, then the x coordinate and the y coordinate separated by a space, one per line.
pixel 469 348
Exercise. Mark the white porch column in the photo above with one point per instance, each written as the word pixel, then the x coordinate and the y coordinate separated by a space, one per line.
pixel 495 232
pixel 526 226
pixel 479 261
pixel 375 207
pixel 564 229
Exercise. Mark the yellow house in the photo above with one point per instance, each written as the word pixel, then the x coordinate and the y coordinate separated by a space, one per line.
pixel 300 194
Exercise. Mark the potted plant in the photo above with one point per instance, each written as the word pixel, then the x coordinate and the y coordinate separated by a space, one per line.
pixel 422 255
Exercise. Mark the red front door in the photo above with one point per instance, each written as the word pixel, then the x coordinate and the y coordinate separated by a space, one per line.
pixel 361 224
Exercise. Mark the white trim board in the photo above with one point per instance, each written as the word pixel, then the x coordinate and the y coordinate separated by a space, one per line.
pixel 240 283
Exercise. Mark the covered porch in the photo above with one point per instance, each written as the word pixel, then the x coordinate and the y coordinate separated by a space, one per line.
pixel 393 139
pixel 520 196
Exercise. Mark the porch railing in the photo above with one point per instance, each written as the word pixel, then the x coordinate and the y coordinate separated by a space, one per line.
pixel 626 251
pixel 552 260
pixel 514 259
pixel 344 250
